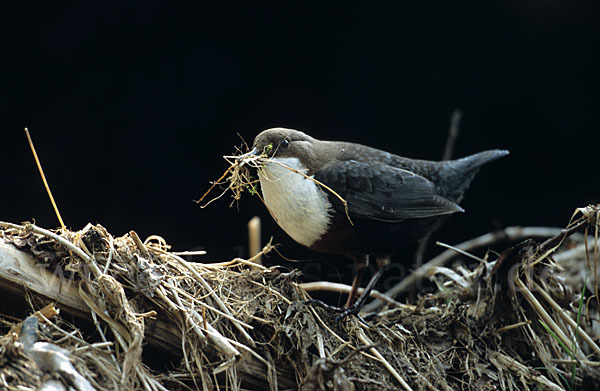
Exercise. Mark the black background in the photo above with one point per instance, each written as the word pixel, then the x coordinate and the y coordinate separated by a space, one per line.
pixel 132 104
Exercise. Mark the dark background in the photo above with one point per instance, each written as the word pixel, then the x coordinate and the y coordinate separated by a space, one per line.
pixel 132 105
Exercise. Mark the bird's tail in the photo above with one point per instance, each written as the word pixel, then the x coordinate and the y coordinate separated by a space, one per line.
pixel 460 172
pixel 473 162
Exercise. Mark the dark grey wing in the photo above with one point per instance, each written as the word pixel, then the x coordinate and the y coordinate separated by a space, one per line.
pixel 382 192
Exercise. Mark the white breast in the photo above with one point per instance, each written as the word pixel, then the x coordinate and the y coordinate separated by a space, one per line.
pixel 294 201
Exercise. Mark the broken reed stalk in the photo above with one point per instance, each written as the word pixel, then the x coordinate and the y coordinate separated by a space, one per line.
pixel 39 165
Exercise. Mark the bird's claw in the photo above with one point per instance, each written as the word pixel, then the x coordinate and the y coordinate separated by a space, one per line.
pixel 322 304
pixel 352 310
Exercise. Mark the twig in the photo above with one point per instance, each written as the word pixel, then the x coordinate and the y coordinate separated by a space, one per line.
pixel 188 253
pixel 39 165
pixel 459 251
pixel 453 133
pixel 514 326
pixel 254 239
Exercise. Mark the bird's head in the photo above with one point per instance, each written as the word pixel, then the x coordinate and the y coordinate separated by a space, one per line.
pixel 279 143
pixel 283 142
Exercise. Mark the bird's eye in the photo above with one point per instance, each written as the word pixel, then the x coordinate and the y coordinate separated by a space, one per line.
pixel 284 143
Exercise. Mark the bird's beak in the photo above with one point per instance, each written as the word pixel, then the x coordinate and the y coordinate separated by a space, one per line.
pixel 240 159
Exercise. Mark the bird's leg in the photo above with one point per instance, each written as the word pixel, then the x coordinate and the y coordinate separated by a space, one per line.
pixel 359 271
pixel 355 308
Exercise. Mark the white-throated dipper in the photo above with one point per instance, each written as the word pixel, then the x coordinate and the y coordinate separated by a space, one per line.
pixel 391 200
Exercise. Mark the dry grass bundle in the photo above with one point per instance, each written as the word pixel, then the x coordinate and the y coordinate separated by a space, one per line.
pixel 238 177
pixel 521 321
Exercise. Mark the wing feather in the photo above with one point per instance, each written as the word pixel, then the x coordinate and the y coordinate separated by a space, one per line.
pixel 383 192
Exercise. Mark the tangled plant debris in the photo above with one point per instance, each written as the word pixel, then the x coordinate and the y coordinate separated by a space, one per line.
pixel 238 177
pixel 525 318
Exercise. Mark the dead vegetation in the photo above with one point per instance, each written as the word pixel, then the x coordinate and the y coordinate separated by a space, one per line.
pixel 238 177
pixel 525 318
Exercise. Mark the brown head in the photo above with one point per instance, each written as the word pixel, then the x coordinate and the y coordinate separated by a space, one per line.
pixel 285 143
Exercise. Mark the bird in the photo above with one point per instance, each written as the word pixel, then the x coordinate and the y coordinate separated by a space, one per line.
pixel 352 200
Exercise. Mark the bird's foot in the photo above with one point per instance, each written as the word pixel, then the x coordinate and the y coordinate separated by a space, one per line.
pixel 342 312
pixel 355 308
pixel 352 310
pixel 322 304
